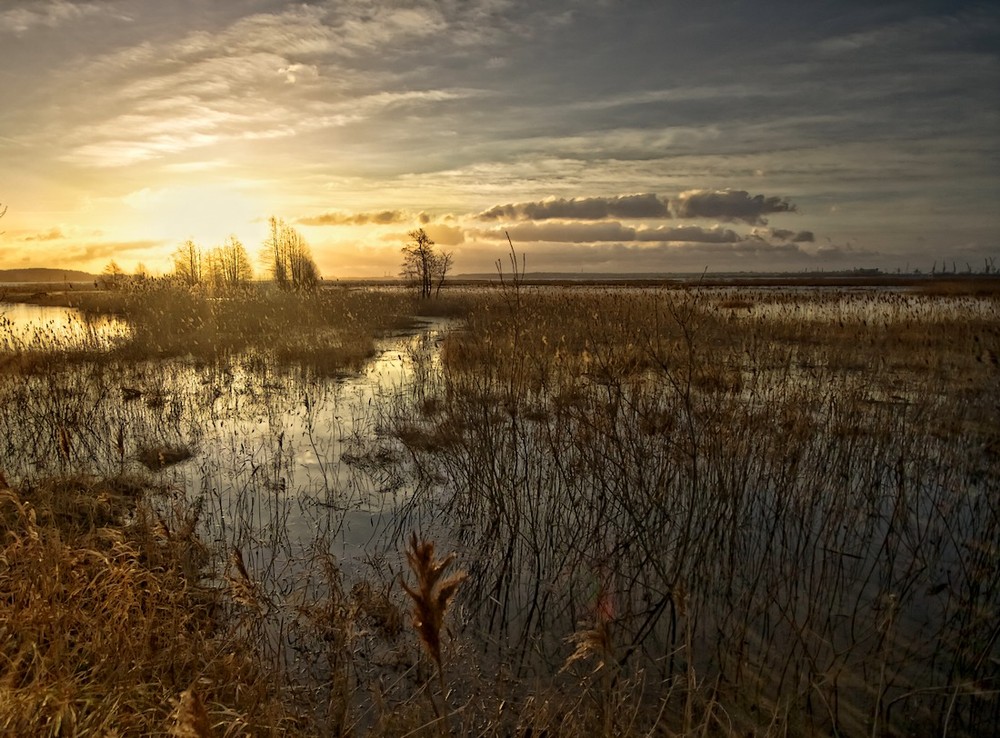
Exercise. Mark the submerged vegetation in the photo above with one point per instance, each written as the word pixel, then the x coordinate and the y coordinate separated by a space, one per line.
pixel 698 511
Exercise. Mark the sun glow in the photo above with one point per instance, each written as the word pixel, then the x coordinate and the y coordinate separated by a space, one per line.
pixel 205 213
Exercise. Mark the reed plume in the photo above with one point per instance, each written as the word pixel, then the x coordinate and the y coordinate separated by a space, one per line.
pixel 431 597
pixel 190 718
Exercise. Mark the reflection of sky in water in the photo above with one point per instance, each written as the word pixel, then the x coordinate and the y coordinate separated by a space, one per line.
pixel 288 460
pixel 284 460
pixel 26 327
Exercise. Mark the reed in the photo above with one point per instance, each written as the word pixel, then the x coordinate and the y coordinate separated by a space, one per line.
pixel 431 596
pixel 764 511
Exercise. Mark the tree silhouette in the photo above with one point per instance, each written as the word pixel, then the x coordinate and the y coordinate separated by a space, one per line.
pixel 423 266
pixel 188 263
pixel 288 258
pixel 229 265
pixel 113 275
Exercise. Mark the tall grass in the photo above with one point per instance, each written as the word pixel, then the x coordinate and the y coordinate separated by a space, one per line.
pixel 792 511
pixel 106 625
pixel 712 512
pixel 329 329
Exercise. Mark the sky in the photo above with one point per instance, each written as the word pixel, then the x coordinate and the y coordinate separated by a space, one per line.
pixel 601 136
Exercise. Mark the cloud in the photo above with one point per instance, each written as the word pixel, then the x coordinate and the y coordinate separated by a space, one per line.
pixel 109 249
pixel 689 234
pixel 783 234
pixel 611 231
pixel 724 205
pixel 382 217
pixel 661 257
pixel 843 252
pixel 266 76
pixel 728 205
pixel 646 205
pixel 84 254
pixel 47 14
pixel 53 234
pixel 445 235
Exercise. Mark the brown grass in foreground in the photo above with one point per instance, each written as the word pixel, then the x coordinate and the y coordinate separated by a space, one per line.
pixel 107 625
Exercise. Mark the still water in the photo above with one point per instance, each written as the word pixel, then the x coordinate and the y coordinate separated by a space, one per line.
pixel 282 462
pixel 39 327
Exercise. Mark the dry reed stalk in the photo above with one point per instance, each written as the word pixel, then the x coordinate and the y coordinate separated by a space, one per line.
pixel 431 598
pixel 242 588
pixel 190 718
pixel 596 639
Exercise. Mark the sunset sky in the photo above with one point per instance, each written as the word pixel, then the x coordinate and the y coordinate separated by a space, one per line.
pixel 603 135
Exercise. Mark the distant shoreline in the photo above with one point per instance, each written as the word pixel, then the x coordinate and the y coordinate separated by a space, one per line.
pixel 46 275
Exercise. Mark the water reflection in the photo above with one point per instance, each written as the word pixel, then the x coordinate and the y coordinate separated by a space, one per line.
pixel 280 459
pixel 42 327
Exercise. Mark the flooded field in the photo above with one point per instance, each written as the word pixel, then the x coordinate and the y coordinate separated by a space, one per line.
pixel 752 511
pixel 26 327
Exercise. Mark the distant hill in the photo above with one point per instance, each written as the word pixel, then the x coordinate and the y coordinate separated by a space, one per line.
pixel 42 274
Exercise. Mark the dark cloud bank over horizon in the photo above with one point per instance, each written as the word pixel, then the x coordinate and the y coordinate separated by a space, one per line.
pixel 723 205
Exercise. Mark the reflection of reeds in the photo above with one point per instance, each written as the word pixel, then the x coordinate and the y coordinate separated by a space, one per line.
pixel 761 474
pixel 794 462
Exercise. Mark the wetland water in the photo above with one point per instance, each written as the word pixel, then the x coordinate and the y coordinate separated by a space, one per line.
pixel 24 326
pixel 787 531
pixel 280 461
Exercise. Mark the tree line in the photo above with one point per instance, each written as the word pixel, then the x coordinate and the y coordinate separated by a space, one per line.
pixel 285 256
pixel 287 260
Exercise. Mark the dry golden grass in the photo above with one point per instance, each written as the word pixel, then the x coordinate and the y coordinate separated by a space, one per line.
pixel 431 595
pixel 106 624
pixel 795 463
pixel 330 330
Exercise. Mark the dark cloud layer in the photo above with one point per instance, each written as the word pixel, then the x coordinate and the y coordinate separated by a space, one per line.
pixel 728 205
pixel 723 205
pixel 645 205
pixel 783 234
pixel 612 231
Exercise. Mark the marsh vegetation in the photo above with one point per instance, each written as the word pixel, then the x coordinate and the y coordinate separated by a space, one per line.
pixel 690 511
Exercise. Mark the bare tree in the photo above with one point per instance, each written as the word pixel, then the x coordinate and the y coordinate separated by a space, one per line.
pixel 423 266
pixel 288 258
pixel 229 265
pixel 188 263
pixel 113 275
pixel 421 262
pixel 3 212
pixel 442 265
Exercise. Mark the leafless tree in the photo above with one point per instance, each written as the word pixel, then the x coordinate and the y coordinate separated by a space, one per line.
pixel 288 258
pixel 442 265
pixel 229 265
pixel 114 275
pixel 423 266
pixel 188 263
